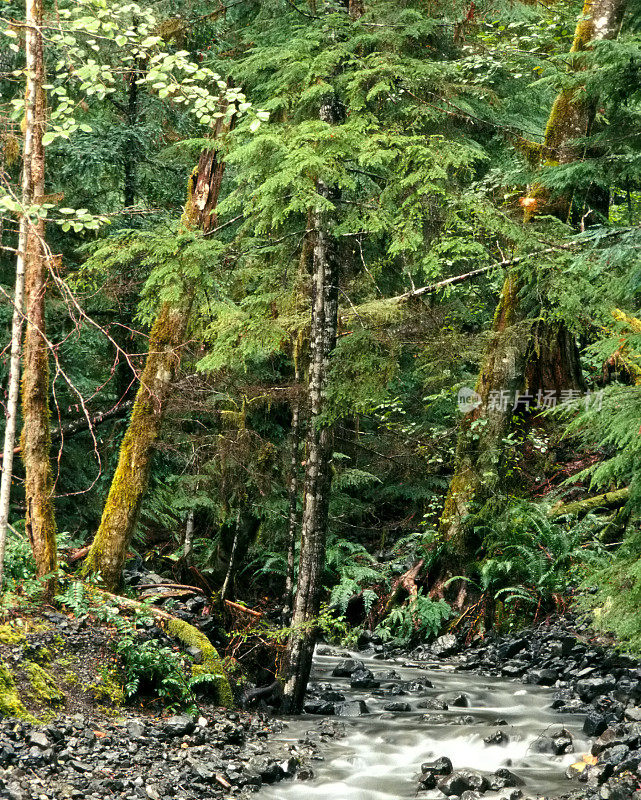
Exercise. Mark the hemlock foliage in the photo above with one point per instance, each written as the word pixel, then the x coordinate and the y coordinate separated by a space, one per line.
pixel 440 112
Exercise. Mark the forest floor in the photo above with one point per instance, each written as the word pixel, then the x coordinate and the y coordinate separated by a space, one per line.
pixel 66 731
pixel 77 738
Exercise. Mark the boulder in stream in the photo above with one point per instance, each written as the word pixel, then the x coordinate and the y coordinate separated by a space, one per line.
pixel 347 667
pixel 351 708
pixel 462 780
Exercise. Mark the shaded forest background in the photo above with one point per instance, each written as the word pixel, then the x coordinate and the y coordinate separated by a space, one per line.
pixel 472 172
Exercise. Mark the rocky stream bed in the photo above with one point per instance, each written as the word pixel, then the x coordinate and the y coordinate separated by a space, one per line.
pixel 545 713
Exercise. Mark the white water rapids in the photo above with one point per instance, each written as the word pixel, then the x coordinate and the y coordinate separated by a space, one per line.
pixel 380 756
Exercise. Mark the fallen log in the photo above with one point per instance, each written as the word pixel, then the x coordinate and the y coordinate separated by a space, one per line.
pixel 186 633
pixel 607 500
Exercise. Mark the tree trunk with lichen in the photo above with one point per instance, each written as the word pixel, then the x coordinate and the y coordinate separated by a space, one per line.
pixel 36 436
pixel 108 550
pixel 32 90
pixel 318 467
pixel 522 356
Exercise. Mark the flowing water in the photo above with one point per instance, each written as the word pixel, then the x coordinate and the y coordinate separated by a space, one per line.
pixel 379 758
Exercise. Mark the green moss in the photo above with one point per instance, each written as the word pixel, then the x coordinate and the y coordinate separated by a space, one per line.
pixel 10 635
pixel 10 703
pixel 43 686
pixel 70 678
pixel 211 664
pixel 109 690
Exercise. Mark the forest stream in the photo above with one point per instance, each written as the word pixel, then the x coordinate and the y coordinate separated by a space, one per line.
pixel 380 755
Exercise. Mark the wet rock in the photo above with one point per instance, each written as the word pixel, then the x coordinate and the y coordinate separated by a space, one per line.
pixel 465 719
pixel 363 679
pixel 317 706
pixel 462 780
pixel 542 677
pixel 514 669
pixel 557 744
pixel 333 697
pixel 616 755
pixel 445 645
pixel 433 703
pixel 351 708
pixel 460 701
pixel 305 773
pixel 504 778
pixel 399 707
pixel 499 738
pixel 511 648
pixel 594 724
pixel 442 766
pixel 590 688
pixel 347 667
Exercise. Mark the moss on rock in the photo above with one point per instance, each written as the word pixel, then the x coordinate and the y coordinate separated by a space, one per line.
pixel 43 687
pixel 9 634
pixel 108 689
pixel 10 703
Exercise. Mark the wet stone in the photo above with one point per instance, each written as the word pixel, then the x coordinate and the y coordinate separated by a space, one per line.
pixel 347 667
pixel 351 708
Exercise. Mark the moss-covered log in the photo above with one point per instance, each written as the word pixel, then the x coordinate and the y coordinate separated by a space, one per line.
pixel 607 500
pixel 108 550
pixel 188 635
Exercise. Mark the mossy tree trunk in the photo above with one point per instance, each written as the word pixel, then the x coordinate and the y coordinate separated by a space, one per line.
pixel 522 356
pixel 32 91
pixel 108 550
pixel 319 444
pixel 36 436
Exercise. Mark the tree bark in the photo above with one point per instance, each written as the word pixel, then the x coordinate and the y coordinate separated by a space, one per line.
pixel 36 438
pixel 522 355
pixel 232 557
pixel 13 388
pixel 292 527
pixel 188 541
pixel 122 508
pixel 300 647
pixel 129 166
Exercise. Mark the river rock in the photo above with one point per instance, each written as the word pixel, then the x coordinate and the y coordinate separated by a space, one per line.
pixel 442 766
pixel 318 706
pixel 347 667
pixel 460 701
pixel 433 703
pixel 589 688
pixel 363 679
pixel 461 780
pixel 351 708
pixel 542 677
pixel 498 738
pixel 399 707
pixel 445 646
pixel 594 724
pixel 555 743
